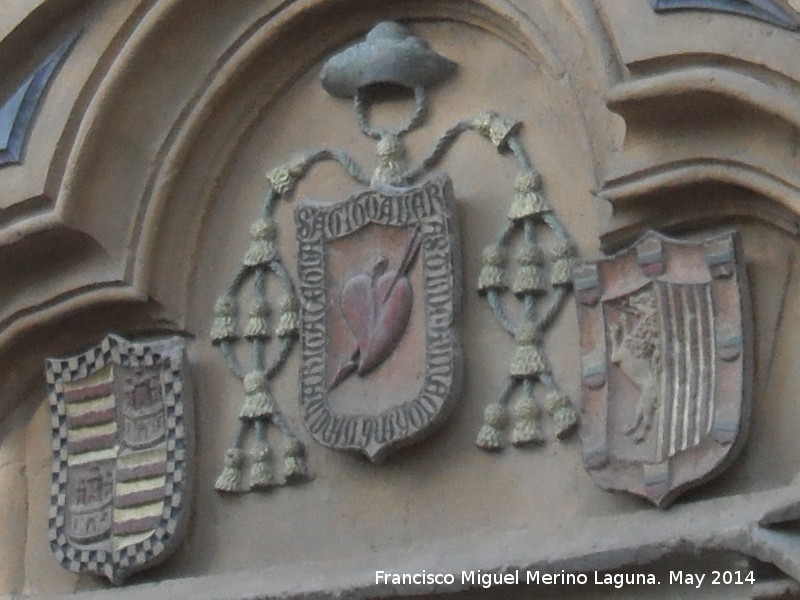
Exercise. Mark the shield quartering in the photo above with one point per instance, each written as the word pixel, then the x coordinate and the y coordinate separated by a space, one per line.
pixel 666 363
pixel 379 277
pixel 121 450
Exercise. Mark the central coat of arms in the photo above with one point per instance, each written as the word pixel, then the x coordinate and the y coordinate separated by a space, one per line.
pixel 378 282
pixel 666 361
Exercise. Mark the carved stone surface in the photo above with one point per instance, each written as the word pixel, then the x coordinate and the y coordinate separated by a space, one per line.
pixel 391 53
pixel 666 363
pixel 132 212
pixel 120 456
pixel 379 288
pixel 763 10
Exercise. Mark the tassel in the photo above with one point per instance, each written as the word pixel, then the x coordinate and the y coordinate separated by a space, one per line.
pixel 562 272
pixel 563 253
pixel 530 276
pixel 527 429
pixel 491 275
pixel 528 200
pixel 288 322
pixel 257 327
pixel 281 180
pixel 260 472
pixel 564 417
pixel 495 418
pixel 295 465
pixel 224 324
pixel 392 165
pixel 284 178
pixel 230 480
pixel 262 248
pixel 528 359
pixel 258 402
pixel 496 127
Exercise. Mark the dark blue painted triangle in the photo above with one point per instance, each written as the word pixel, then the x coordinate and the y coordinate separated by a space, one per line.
pixel 17 113
pixel 763 10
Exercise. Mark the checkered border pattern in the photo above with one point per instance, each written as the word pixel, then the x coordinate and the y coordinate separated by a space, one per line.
pixel 168 354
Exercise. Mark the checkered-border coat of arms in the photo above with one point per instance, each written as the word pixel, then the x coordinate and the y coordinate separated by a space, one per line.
pixel 121 452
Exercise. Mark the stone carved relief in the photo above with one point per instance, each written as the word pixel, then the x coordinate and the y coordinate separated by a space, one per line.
pixel 391 54
pixel 376 310
pixel 763 10
pixel 19 110
pixel 666 363
pixel 121 423
pixel 750 526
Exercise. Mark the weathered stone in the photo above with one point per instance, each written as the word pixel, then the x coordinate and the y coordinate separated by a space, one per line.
pixel 667 365
pixel 131 211
pixel 122 432
pixel 379 277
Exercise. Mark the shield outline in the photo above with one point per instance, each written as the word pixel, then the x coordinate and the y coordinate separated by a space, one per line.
pixel 726 269
pixel 168 354
pixel 377 435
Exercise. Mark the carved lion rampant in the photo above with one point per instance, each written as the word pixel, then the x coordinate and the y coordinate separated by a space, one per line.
pixel 635 349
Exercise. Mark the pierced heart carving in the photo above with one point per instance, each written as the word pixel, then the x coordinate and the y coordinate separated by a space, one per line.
pixel 377 316
pixel 377 309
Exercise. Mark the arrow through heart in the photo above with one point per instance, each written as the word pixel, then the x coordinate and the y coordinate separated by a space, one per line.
pixel 377 308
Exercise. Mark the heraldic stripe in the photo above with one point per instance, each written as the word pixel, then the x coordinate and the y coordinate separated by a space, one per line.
pixel 91 421
pixel 139 495
pixel 687 367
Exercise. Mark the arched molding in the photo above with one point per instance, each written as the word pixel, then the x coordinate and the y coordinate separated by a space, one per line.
pixel 116 116
pixel 733 108
pixel 647 198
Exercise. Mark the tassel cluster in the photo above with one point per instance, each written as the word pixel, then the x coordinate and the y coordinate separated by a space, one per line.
pixel 224 324
pixel 288 321
pixel 490 435
pixel 561 411
pixel 527 429
pixel 258 401
pixel 230 480
pixel 496 127
pixel 262 246
pixel 528 200
pixel 563 254
pixel 257 326
pixel 260 471
pixel 294 459
pixel 530 276
pixel 491 275
pixel 528 359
